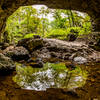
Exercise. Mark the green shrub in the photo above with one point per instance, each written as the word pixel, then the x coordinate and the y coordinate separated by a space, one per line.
pixel 62 33
pixel 75 30
pixel 56 33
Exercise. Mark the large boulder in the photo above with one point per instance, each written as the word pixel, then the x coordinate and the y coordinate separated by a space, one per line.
pixel 31 44
pixel 6 65
pixel 17 53
pixel 42 53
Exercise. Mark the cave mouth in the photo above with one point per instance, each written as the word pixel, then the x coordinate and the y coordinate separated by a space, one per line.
pixel 91 8
pixel 28 21
pixel 78 52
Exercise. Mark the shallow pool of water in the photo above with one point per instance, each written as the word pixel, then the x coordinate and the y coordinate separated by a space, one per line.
pixel 50 76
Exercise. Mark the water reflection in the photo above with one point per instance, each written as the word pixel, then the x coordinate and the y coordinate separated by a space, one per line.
pixel 50 76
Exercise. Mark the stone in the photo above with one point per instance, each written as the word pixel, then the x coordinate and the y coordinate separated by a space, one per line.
pixel 71 37
pixel 31 44
pixel 53 54
pixel 17 53
pixel 35 63
pixel 80 60
pixel 6 65
pixel 42 53
pixel 72 56
pixel 37 37
pixel 3 46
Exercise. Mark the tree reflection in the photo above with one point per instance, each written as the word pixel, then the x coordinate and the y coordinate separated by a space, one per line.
pixel 50 76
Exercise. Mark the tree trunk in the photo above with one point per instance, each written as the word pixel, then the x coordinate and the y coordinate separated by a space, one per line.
pixel 72 17
pixel 69 18
pixel 2 27
pixel 5 37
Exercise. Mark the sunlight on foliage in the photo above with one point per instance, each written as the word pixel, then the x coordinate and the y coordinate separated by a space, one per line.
pixel 27 21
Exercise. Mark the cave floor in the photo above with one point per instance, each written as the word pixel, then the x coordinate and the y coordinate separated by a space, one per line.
pixel 9 90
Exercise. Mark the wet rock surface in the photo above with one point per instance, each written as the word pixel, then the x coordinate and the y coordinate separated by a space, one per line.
pixel 78 52
pixel 52 48
pixel 6 65
pixel 16 53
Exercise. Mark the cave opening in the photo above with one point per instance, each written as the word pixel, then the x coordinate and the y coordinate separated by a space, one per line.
pixel 61 24
pixel 49 52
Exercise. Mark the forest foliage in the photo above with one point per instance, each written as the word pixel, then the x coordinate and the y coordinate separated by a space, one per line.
pixel 28 21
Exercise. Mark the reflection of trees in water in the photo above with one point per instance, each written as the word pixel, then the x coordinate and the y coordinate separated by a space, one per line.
pixel 49 77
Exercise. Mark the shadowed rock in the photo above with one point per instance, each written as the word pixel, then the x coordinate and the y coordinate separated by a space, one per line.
pixel 6 65
pixel 17 53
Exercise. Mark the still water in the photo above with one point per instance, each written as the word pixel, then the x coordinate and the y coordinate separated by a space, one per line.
pixel 52 75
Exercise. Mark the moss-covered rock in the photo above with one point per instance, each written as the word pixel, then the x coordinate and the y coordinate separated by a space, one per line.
pixel 31 44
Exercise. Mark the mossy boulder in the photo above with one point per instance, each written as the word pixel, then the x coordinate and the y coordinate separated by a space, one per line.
pixel 31 44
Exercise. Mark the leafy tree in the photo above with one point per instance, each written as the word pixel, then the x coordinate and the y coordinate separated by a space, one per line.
pixel 59 21
pixel 22 22
pixel 44 12
pixel 28 21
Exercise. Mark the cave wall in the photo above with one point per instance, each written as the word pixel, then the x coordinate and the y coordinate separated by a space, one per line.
pixel 92 7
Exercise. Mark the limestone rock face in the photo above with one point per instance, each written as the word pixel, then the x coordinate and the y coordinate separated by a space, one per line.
pixel 17 53
pixel 6 65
